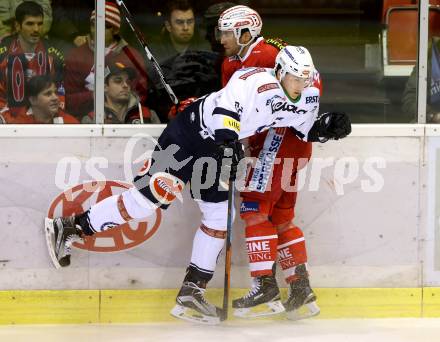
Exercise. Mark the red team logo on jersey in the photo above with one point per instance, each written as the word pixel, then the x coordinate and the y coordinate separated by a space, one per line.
pixel 80 197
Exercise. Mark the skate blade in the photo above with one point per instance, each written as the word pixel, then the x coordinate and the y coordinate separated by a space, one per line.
pixel 306 311
pixel 262 310
pixel 193 316
pixel 50 241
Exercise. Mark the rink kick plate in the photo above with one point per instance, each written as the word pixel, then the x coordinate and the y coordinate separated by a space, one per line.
pixel 137 306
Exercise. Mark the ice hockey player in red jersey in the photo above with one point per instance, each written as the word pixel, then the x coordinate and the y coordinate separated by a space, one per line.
pixel 254 100
pixel 238 31
pixel 266 208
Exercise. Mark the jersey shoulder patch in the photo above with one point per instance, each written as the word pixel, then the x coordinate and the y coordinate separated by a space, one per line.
pixel 248 72
pixel 277 43
pixel 268 86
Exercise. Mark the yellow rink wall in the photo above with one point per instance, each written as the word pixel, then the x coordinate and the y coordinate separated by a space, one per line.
pixel 153 305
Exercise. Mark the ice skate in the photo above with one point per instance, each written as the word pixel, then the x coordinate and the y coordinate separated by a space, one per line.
pixel 61 233
pixel 193 307
pixel 262 300
pixel 301 302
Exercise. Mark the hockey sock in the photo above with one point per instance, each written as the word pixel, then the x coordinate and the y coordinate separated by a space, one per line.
pixel 291 251
pixel 207 245
pixel 193 276
pixel 261 243
pixel 118 209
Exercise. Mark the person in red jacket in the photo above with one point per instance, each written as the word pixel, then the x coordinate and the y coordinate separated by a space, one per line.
pixel 44 105
pixel 266 208
pixel 80 69
pixel 26 54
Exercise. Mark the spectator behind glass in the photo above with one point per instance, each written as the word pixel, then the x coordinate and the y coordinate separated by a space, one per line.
pixel 179 33
pixel 409 100
pixel 44 105
pixel 25 55
pixel 71 22
pixel 121 105
pixel 79 77
pixel 7 14
pixel 187 64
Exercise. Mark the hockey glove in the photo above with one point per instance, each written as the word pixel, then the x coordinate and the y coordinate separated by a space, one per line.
pixel 175 110
pixel 331 125
pixel 229 155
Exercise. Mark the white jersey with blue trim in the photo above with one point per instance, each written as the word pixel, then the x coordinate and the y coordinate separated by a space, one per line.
pixel 254 101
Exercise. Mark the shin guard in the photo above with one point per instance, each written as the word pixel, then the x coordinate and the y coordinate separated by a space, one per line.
pixel 291 251
pixel 207 246
pixel 261 243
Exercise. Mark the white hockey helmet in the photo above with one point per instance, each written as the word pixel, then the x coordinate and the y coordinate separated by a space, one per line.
pixel 240 17
pixel 297 61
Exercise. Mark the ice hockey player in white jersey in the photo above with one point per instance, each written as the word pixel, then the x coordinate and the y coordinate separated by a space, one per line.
pixel 254 100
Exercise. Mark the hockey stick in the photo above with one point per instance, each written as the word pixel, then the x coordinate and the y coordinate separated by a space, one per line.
pixel 141 39
pixel 228 250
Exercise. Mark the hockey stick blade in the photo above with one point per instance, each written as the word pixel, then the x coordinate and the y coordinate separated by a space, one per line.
pixel 223 315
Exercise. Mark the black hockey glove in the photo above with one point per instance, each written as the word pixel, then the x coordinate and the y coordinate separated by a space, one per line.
pixel 332 125
pixel 229 156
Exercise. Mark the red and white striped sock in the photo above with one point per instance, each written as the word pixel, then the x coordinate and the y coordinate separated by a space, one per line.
pixel 261 243
pixel 291 251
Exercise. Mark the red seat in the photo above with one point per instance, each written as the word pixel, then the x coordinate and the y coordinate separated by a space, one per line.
pixel 401 34
pixel 395 3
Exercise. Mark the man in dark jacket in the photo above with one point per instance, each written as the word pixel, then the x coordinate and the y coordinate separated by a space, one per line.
pixel 409 99
pixel 121 105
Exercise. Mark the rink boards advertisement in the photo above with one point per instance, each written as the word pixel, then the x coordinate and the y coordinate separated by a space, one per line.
pixel 361 206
